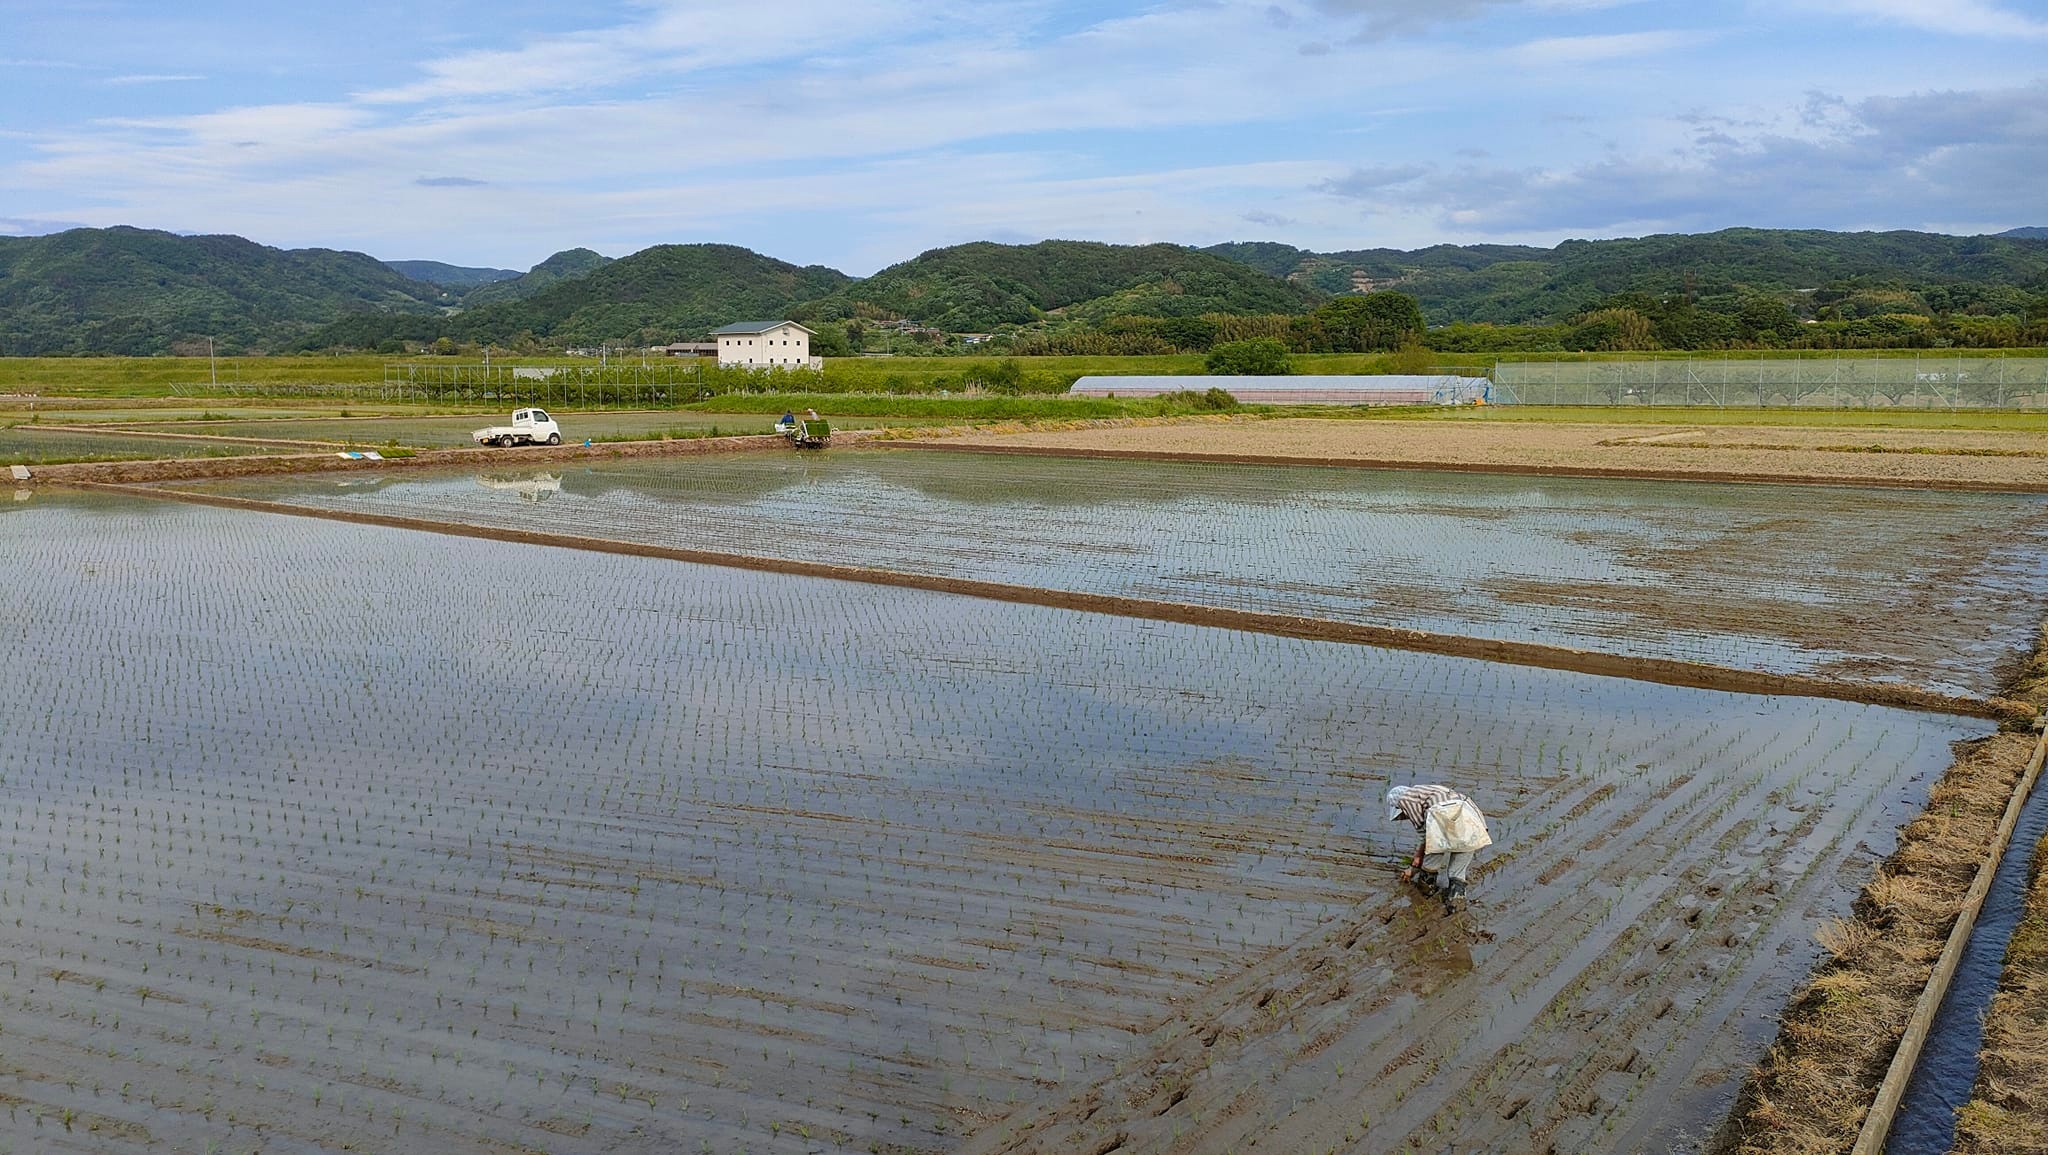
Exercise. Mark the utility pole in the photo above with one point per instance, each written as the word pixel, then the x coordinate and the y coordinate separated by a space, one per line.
pixel 212 374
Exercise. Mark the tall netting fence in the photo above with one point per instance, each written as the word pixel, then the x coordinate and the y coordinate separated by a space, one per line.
pixel 652 386
pixel 1953 382
pixel 580 387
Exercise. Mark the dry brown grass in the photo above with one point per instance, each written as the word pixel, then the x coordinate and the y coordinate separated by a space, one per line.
pixel 1812 1090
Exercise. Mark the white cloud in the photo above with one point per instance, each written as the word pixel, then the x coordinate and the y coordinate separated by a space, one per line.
pixel 1388 18
pixel 1949 17
pixel 1893 162
pixel 152 78
pixel 675 37
pixel 29 227
pixel 1155 70
pixel 881 129
pixel 1570 51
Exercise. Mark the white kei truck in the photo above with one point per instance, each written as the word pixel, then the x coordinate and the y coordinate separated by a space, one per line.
pixel 529 427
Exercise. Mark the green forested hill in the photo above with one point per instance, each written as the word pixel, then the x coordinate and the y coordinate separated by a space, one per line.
pixel 666 293
pixel 1513 284
pixel 976 287
pixel 566 265
pixel 139 292
pixel 449 276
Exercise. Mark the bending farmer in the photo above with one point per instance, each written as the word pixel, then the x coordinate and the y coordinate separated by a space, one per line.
pixel 1452 830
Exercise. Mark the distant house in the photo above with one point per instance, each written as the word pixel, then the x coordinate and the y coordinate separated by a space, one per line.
pixel 687 349
pixel 765 345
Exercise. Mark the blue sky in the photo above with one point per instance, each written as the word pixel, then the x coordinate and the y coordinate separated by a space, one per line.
pixel 857 134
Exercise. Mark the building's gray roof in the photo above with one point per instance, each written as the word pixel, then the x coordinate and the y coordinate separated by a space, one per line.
pixel 749 328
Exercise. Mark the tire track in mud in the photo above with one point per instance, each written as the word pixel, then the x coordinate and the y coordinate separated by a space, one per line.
pixel 1597 1007
pixel 1664 671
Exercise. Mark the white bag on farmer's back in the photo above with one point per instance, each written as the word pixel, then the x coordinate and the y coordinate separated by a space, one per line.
pixel 1454 827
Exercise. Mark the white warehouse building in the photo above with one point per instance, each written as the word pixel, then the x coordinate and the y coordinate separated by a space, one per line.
pixel 765 345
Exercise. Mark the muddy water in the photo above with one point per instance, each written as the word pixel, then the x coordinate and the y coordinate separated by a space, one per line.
pixel 319 834
pixel 1934 589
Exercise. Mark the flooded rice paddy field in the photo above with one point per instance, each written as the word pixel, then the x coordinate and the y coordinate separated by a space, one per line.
pixel 1933 589
pixel 319 835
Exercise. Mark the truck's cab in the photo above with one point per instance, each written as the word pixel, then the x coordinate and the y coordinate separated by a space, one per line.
pixel 528 427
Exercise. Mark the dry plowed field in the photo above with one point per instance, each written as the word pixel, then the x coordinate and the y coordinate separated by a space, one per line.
pixel 1997 459
pixel 320 836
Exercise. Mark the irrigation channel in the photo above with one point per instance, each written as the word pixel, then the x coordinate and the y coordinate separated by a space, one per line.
pixel 323 833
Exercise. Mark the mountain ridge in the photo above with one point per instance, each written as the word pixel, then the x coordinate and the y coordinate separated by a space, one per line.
pixel 563 266
pixel 449 276
pixel 980 285
pixel 1519 284
pixel 646 298
pixel 133 291
pixel 125 290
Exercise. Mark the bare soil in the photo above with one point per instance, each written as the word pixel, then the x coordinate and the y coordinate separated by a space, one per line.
pixel 2013 461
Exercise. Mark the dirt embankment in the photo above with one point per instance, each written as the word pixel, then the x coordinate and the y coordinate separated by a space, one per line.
pixel 1837 1038
pixel 1920 458
pixel 189 469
